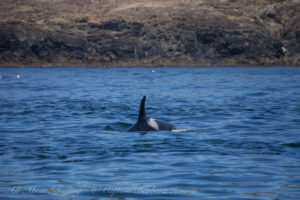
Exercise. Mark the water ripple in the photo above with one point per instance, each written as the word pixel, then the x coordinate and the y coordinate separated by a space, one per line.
pixel 63 133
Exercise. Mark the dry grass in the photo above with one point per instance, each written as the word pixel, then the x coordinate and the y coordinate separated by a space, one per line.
pixel 67 12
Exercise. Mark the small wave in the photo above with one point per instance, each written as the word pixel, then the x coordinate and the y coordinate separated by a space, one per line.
pixel 108 128
pixel 182 130
pixel 187 130
pixel 258 94
pixel 294 145
pixel 92 126
pixel 117 126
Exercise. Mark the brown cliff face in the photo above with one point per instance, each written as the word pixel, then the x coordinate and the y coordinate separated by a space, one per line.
pixel 149 32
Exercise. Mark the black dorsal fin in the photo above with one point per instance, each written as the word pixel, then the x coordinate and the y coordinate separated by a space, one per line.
pixel 142 113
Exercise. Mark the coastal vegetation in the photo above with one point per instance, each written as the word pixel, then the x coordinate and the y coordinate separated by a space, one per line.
pixel 149 32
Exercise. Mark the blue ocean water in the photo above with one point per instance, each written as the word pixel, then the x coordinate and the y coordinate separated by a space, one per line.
pixel 62 133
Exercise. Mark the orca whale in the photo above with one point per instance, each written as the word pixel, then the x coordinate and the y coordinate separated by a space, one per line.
pixel 145 123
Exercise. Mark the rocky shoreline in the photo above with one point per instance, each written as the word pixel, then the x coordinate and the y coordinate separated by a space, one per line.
pixel 149 33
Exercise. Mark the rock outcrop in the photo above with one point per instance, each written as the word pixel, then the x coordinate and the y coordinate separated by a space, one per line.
pixel 149 32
